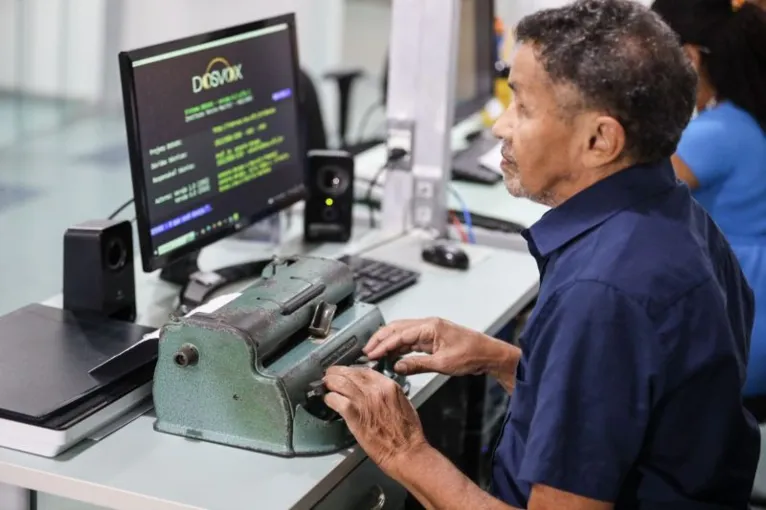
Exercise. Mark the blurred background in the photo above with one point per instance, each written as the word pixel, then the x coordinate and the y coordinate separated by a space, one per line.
pixel 63 155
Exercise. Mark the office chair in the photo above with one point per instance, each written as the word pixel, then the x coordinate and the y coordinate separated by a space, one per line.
pixel 344 81
pixel 314 131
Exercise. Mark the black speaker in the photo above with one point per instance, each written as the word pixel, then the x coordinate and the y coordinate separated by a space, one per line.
pixel 329 206
pixel 99 274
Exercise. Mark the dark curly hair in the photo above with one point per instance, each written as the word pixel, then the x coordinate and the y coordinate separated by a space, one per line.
pixel 623 60
pixel 734 42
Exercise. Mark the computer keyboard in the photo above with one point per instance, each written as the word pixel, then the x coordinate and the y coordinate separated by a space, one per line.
pixel 467 166
pixel 376 280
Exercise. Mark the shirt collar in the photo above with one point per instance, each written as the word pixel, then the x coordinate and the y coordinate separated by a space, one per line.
pixel 596 204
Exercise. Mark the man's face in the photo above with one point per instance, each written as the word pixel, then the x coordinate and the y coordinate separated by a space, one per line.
pixel 539 139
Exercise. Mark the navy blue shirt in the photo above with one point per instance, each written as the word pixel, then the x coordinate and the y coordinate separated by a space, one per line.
pixel 634 358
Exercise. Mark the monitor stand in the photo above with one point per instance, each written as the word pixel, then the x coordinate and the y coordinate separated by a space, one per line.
pixel 197 286
pixel 180 271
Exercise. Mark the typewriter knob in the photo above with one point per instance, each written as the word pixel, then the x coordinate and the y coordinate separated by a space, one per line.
pixel 187 355
pixel 386 367
pixel 315 402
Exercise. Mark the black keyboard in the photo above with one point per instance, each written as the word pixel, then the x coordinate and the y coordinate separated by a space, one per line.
pixel 375 280
pixel 466 167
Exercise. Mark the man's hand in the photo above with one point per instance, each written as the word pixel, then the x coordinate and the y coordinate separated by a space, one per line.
pixel 387 427
pixel 378 414
pixel 450 349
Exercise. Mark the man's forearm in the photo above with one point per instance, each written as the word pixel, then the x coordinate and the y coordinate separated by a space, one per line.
pixel 503 362
pixel 439 485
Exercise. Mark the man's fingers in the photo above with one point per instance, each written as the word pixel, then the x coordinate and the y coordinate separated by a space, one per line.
pixel 416 365
pixel 387 331
pixel 416 338
pixel 341 370
pixel 361 377
pixel 395 344
pixel 340 405
pixel 339 382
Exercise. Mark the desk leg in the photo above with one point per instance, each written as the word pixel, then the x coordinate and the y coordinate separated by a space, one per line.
pixel 16 498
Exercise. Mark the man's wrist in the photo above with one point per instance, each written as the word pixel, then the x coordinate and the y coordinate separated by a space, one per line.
pixel 503 360
pixel 405 468
pixel 437 483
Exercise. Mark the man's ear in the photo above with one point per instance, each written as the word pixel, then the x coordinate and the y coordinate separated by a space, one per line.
pixel 606 141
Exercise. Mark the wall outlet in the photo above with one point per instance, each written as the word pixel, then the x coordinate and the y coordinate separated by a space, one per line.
pixel 424 190
pixel 423 215
pixel 401 136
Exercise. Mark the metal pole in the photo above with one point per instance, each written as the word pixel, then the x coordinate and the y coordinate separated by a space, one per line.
pixel 62 88
pixel 20 58
pixel 114 22
pixel 16 498
pixel 420 110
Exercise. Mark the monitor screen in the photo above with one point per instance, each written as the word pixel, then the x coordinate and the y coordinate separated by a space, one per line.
pixel 213 135
pixel 476 57
pixel 477 54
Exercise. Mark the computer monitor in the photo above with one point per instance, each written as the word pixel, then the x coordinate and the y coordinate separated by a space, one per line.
pixel 213 135
pixel 477 54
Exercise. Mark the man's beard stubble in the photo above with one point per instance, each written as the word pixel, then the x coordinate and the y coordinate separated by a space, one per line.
pixel 513 184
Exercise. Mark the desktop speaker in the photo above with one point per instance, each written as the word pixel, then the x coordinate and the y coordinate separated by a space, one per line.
pixel 329 206
pixel 99 274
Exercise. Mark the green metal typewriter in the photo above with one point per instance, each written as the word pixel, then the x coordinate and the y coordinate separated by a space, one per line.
pixel 250 374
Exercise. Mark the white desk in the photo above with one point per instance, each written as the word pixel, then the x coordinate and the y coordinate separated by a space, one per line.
pixel 139 469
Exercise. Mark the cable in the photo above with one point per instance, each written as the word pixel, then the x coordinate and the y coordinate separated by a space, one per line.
pixel 466 214
pixel 459 227
pixel 393 155
pixel 366 117
pixel 363 179
pixel 120 209
pixel 368 195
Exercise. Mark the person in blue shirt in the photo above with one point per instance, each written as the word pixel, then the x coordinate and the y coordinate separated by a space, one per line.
pixel 626 391
pixel 722 153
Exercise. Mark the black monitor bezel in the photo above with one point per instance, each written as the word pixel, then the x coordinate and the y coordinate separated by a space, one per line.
pixel 151 262
pixel 485 72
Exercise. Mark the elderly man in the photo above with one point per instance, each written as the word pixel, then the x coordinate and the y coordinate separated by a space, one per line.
pixel 626 392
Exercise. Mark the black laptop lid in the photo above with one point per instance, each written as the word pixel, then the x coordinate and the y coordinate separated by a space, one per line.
pixel 46 355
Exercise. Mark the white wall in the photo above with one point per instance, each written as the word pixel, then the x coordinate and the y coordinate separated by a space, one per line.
pixel 368 28
pixel 52 51
pixel 42 66
pixel 153 21
pixel 319 22
pixel 8 13
pixel 68 47
pixel 320 33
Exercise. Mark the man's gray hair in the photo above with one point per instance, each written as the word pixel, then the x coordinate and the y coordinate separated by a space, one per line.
pixel 622 59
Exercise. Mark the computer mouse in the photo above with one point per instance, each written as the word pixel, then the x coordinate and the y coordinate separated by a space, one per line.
pixel 446 254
